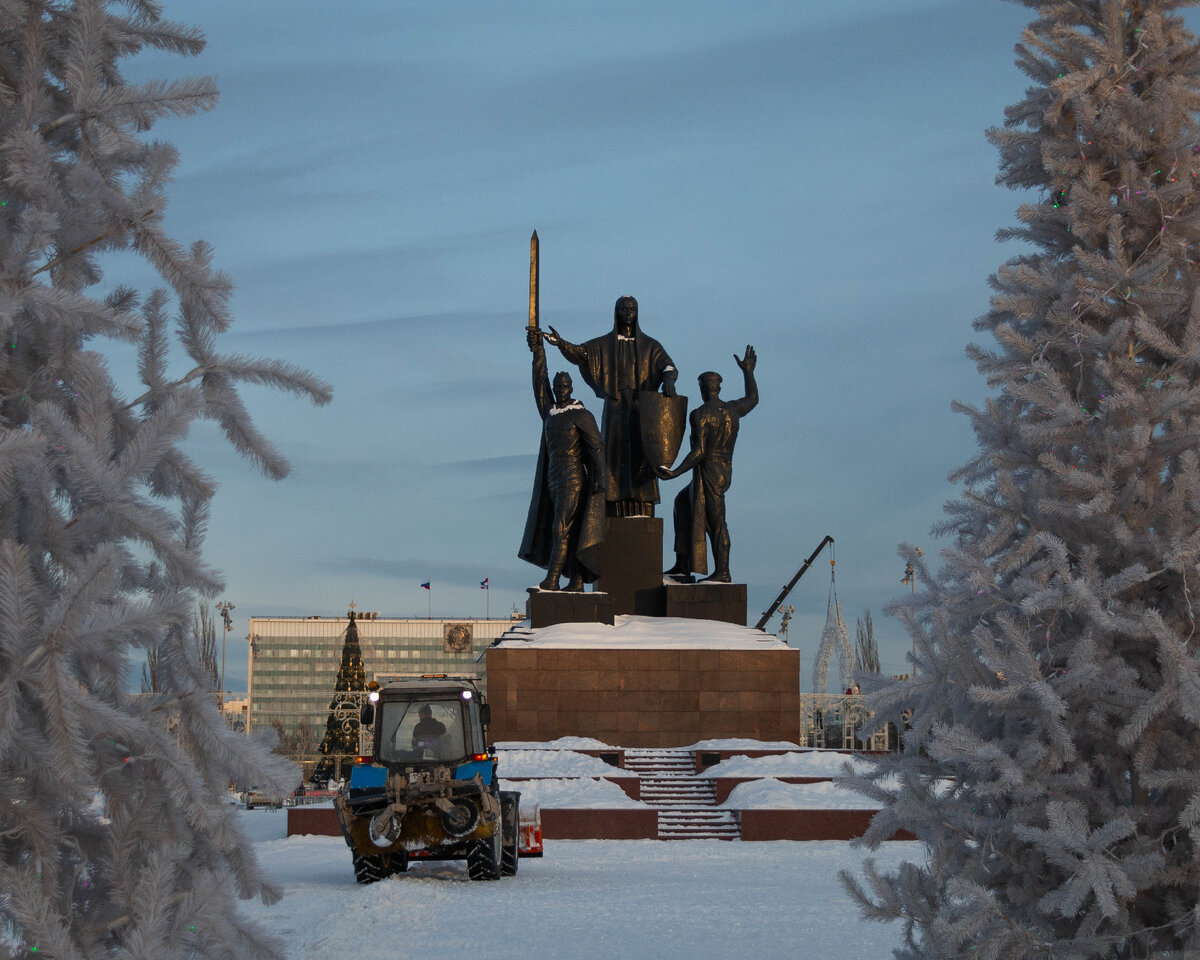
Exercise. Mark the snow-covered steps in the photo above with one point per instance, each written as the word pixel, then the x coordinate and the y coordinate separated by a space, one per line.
pixel 678 791
pixel 697 824
pixel 661 763
pixel 686 803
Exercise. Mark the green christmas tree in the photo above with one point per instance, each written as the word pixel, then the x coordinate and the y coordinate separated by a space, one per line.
pixel 339 746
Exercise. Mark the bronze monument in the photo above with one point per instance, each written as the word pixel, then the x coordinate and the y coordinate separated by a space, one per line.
pixel 700 507
pixel 619 366
pixel 566 513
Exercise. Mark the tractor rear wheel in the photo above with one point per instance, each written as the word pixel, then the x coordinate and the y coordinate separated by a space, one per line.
pixel 510 856
pixel 483 857
pixel 510 818
pixel 369 869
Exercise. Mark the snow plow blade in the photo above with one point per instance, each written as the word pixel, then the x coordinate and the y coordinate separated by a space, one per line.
pixel 530 832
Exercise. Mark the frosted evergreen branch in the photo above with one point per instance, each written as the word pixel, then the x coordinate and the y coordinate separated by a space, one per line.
pixel 115 228
pixel 89 483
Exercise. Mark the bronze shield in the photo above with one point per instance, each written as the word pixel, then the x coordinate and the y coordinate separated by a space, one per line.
pixel 663 420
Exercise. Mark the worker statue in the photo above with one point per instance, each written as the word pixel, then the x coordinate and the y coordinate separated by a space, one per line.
pixel 624 367
pixel 700 507
pixel 565 524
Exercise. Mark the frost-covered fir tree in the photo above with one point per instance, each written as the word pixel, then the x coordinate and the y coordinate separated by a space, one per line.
pixel 115 840
pixel 1052 767
pixel 339 746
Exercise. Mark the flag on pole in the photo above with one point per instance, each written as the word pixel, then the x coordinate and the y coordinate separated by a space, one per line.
pixel 483 584
pixel 425 585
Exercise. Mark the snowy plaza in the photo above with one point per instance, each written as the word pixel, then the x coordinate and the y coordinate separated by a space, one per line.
pixel 584 900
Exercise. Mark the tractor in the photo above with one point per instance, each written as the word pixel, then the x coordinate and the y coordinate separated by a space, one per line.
pixel 425 784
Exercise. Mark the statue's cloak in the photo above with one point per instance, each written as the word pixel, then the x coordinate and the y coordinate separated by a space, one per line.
pixel 539 522
pixel 617 368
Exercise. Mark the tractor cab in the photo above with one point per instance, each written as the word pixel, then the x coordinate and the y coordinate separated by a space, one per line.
pixel 424 721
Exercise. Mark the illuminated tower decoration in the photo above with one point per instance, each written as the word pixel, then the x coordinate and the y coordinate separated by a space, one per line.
pixel 834 636
pixel 340 742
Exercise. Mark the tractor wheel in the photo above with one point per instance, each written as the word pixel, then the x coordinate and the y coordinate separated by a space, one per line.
pixel 398 862
pixel 483 858
pixel 510 847
pixel 369 869
pixel 510 856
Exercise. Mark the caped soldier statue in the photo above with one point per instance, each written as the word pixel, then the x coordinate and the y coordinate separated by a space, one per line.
pixel 565 524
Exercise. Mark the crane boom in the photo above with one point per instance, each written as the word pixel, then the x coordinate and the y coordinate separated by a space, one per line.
pixel 762 621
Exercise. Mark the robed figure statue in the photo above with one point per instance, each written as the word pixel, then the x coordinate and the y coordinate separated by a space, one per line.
pixel 566 513
pixel 700 507
pixel 617 366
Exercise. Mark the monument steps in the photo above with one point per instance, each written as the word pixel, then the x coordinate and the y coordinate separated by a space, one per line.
pixel 692 791
pixel 661 763
pixel 686 803
pixel 697 824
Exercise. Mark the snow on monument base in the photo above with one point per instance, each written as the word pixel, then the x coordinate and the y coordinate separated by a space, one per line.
pixel 643 682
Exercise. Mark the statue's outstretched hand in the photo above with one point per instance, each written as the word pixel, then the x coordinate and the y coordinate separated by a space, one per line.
pixel 553 337
pixel 668 384
pixel 749 362
pixel 665 473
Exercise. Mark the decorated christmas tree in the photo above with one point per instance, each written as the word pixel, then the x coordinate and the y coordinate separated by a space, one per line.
pixel 1051 765
pixel 339 746
pixel 117 837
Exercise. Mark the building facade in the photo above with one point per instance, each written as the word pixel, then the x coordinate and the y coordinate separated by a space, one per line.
pixel 294 661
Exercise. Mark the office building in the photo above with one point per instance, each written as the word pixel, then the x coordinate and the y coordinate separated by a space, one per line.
pixel 294 661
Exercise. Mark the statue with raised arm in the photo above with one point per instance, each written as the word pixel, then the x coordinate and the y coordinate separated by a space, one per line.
pixel 618 366
pixel 565 524
pixel 700 507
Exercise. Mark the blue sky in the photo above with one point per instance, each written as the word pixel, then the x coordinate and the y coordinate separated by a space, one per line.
pixel 809 178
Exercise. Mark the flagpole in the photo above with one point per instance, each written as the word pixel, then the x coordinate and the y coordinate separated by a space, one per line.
pixel 429 590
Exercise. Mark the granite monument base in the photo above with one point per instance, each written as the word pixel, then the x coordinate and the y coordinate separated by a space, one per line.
pixel 645 696
pixel 631 565
pixel 707 601
pixel 547 607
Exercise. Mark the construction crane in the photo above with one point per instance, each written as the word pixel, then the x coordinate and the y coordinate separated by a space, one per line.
pixel 762 621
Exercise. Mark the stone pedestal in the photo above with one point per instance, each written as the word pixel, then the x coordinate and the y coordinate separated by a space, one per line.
pixel 707 601
pixel 631 565
pixel 547 607
pixel 644 697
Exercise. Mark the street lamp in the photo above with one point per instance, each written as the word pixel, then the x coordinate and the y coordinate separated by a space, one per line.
pixel 226 608
pixel 910 580
pixel 788 610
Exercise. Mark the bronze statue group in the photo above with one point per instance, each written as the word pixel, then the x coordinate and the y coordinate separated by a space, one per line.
pixel 586 473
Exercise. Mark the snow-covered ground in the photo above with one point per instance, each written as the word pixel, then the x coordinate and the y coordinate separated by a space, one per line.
pixel 585 900
pixel 777 795
pixel 555 763
pixel 644 633
pixel 808 763
pixel 556 794
pixel 557 791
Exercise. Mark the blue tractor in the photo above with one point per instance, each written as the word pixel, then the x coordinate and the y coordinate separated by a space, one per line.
pixel 425 785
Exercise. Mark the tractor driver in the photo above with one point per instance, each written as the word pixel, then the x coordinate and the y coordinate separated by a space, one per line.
pixel 427 728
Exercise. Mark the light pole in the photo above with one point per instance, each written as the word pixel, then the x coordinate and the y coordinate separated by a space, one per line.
pixel 252 641
pixel 226 608
pixel 910 580
pixel 788 610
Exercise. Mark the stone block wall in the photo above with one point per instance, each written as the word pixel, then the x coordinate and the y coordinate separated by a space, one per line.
pixel 637 697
